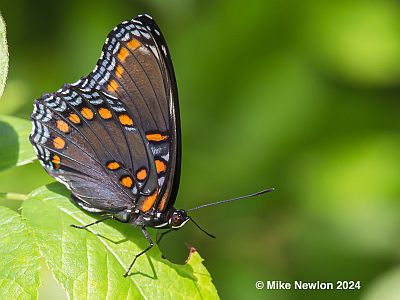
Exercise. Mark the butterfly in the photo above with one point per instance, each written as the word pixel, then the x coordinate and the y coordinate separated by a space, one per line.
pixel 113 138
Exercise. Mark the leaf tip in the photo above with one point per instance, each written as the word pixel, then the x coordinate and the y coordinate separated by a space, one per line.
pixel 192 251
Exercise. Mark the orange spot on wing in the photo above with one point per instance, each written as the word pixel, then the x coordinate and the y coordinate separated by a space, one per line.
pixel 160 166
pixel 113 165
pixel 56 161
pixel 119 70
pixel 112 86
pixel 87 113
pixel 133 44
pixel 123 54
pixel 105 113
pixel 141 174
pixel 127 181
pixel 62 126
pixel 156 137
pixel 74 118
pixel 163 202
pixel 149 201
pixel 58 143
pixel 125 120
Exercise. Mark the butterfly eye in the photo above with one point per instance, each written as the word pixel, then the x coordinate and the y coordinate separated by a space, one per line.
pixel 179 218
pixel 175 219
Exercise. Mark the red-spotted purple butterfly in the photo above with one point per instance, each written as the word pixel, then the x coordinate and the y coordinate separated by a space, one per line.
pixel 113 137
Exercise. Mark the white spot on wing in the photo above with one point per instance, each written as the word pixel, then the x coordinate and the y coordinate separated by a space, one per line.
pixel 164 50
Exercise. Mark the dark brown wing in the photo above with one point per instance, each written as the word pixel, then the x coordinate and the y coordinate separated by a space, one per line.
pixel 87 150
pixel 129 148
pixel 135 67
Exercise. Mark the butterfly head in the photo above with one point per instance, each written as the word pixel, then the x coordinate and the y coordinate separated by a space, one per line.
pixel 178 218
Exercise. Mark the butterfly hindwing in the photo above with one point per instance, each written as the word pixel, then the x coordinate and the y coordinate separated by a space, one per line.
pixel 78 148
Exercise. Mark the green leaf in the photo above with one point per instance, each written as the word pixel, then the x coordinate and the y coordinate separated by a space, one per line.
pixel 19 263
pixel 12 200
pixel 3 56
pixel 91 263
pixel 384 287
pixel 15 148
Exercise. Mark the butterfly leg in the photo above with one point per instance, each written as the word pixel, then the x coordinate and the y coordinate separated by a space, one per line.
pixel 95 222
pixel 151 244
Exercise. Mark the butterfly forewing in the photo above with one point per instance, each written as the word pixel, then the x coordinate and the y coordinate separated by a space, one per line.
pixel 135 67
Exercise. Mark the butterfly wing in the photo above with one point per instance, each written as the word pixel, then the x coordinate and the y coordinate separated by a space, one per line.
pixel 122 145
pixel 136 67
pixel 84 151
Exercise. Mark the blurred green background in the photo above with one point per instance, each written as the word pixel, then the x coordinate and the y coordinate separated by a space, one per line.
pixel 302 96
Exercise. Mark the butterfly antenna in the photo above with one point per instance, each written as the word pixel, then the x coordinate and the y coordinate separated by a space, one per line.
pixel 231 200
pixel 198 226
